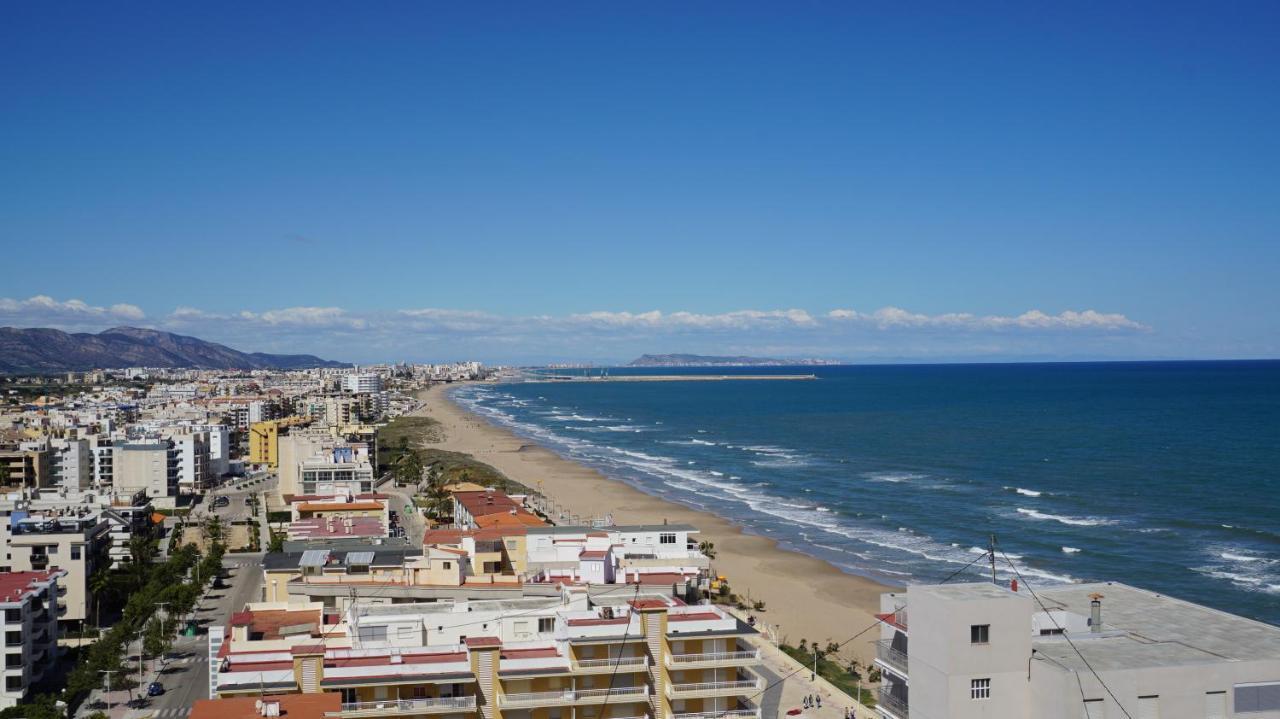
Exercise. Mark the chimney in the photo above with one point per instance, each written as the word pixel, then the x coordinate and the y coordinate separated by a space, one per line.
pixel 1095 612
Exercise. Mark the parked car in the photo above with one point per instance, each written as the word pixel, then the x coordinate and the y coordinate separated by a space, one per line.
pixel 155 689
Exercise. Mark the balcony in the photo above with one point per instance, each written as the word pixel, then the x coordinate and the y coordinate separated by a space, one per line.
pixel 895 660
pixel 728 714
pixel 713 660
pixel 706 690
pixel 568 697
pixel 608 666
pixel 892 706
pixel 400 707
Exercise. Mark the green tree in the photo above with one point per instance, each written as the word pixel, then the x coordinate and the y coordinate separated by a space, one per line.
pixel 708 549
pixel 99 584
pixel 212 530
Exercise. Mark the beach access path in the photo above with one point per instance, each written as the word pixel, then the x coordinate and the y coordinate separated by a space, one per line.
pixel 804 597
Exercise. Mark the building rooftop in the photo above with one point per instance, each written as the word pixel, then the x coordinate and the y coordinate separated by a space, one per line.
pixel 1142 628
pixel 292 706
pixel 16 586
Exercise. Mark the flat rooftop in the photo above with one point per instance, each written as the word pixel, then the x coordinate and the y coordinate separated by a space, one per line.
pixel 1142 628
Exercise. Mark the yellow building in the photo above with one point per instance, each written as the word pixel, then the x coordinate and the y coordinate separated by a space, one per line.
pixel 264 439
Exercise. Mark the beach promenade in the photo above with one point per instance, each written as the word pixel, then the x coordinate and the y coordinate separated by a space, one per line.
pixel 804 597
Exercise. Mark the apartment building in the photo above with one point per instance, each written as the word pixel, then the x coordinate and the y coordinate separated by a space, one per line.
pixel 362 383
pixel 653 554
pixel 74 543
pixel 25 466
pixel 29 605
pixel 71 463
pixel 1095 651
pixel 264 439
pixel 151 466
pixel 519 659
pixel 334 465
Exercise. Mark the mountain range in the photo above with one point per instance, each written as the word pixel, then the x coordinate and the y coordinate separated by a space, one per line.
pixel 48 350
pixel 687 360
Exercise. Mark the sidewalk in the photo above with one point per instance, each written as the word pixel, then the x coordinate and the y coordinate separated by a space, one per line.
pixel 798 684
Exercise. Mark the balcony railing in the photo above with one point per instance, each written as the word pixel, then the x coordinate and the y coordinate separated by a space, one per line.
pixel 680 660
pixel 569 696
pixel 408 706
pixel 740 686
pixel 894 658
pixel 612 662
pixel 728 714
pixel 892 705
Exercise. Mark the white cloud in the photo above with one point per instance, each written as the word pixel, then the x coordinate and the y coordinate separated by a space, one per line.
pixel 895 317
pixel 43 309
pixel 741 319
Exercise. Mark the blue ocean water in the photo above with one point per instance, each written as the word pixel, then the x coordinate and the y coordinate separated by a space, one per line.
pixel 1161 474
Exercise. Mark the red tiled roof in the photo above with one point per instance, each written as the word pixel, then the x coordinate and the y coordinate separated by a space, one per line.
pixel 292 706
pixel 15 586
pixel 484 642
pixel 591 555
pixel 649 604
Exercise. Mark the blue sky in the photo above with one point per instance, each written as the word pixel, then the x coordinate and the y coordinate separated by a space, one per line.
pixel 534 181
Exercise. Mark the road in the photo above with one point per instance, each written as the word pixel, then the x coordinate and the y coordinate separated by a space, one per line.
pixel 184 672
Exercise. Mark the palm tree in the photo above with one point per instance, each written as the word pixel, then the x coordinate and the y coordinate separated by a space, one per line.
pixel 708 549
pixel 98 585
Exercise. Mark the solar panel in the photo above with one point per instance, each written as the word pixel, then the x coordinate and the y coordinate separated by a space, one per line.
pixel 314 558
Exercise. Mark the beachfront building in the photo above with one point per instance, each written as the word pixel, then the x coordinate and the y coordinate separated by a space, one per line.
pixel 648 554
pixel 1095 651
pixel 521 659
pixel 488 508
pixel 29 606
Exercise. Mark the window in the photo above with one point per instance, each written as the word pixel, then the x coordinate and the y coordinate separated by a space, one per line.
pixel 667 538
pixel 75 552
pixel 448 565
pixel 12 616
pixel 373 634
pixel 979 633
pixel 980 689
pixel 1257 697
pixel 546 625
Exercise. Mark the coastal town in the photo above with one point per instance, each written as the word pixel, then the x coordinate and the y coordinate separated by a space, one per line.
pixel 350 543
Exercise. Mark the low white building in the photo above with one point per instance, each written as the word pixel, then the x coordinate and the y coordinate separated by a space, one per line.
pixel 1092 651
pixel 29 606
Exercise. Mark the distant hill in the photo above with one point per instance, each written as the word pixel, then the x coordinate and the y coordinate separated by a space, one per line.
pixel 50 350
pixel 686 360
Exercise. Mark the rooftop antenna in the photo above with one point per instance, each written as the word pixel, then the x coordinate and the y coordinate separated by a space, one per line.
pixel 991 553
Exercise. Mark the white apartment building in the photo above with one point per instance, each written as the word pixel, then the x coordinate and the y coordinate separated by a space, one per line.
pixel 312 462
pixel 29 606
pixel 1093 651
pixel 362 383
pixel 72 463
pixel 605 555
pixel 195 471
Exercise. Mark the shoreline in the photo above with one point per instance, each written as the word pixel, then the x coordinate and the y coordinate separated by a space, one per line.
pixel 804 597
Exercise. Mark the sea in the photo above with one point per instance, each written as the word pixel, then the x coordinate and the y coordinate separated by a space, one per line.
pixel 1164 475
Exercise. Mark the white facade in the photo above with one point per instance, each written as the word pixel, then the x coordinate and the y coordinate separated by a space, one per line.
pixel 72 463
pixel 29 611
pixel 363 383
pixel 981 650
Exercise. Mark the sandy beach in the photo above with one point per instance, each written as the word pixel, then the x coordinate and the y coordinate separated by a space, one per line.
pixel 804 597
